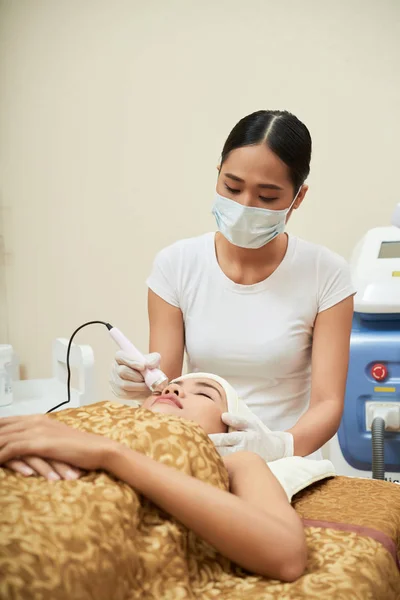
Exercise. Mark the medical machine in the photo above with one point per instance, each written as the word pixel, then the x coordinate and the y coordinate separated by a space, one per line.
pixel 37 396
pixel 368 440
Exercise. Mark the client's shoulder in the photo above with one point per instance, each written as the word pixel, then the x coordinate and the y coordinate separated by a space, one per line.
pixel 243 460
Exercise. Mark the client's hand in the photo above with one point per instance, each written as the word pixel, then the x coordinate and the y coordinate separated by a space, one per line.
pixel 250 436
pixel 46 438
pixel 51 470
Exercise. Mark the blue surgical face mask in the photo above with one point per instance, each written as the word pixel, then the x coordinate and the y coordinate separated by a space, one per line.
pixel 248 226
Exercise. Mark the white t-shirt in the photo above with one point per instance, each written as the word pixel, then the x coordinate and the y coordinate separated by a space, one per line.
pixel 259 336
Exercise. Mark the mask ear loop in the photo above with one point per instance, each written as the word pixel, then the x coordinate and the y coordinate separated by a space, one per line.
pixel 295 198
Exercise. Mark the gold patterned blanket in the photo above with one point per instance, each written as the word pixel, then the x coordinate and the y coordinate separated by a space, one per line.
pixel 97 538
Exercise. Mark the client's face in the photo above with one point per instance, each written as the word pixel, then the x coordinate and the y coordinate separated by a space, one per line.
pixel 200 400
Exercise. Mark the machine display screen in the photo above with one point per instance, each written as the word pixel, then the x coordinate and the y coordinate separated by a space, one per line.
pixel 389 250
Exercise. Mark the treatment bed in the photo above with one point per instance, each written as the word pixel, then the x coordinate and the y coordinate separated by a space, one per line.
pixel 97 538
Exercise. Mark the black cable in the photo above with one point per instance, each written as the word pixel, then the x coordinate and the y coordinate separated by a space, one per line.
pixel 68 365
pixel 378 448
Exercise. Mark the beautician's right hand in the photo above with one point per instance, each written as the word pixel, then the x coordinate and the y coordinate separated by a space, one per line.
pixel 127 379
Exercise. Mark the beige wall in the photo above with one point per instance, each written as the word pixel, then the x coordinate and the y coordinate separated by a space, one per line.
pixel 112 117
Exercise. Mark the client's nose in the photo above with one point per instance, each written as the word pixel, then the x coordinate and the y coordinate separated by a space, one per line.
pixel 173 388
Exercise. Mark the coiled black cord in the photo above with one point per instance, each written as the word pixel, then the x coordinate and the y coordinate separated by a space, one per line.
pixel 378 448
pixel 68 365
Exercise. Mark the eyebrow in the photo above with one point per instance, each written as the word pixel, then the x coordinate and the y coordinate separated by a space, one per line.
pixel 268 186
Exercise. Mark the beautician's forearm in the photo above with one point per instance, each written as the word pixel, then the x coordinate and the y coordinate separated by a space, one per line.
pixel 318 425
pixel 245 535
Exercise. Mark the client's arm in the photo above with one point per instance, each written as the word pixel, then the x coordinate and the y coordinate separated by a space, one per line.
pixel 254 526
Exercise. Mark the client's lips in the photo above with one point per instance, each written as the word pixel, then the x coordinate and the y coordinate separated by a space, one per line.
pixel 168 399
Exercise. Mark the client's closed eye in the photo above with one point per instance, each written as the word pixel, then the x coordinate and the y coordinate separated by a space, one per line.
pixel 206 395
pixel 214 394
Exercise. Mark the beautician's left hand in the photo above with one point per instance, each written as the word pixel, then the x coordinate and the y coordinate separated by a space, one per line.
pixel 47 438
pixel 250 436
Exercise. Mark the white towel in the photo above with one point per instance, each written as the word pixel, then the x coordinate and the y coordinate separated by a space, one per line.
pixel 295 473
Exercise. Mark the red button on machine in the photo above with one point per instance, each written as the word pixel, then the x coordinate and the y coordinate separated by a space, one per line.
pixel 379 372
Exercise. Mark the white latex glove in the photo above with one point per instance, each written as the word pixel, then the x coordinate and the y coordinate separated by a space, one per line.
pixel 126 377
pixel 250 436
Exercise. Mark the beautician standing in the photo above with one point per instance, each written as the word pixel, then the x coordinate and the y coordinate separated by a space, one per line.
pixel 269 312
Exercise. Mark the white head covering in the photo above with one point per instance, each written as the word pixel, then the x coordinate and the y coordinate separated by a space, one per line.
pixel 236 405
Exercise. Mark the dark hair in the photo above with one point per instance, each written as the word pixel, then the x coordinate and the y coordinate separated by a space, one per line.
pixel 283 133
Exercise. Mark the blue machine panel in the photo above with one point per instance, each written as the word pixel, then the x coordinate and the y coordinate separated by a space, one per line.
pixel 373 342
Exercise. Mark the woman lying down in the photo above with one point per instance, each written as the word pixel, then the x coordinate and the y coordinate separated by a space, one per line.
pixel 253 524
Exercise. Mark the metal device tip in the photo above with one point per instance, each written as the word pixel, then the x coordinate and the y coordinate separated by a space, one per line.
pixel 159 385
